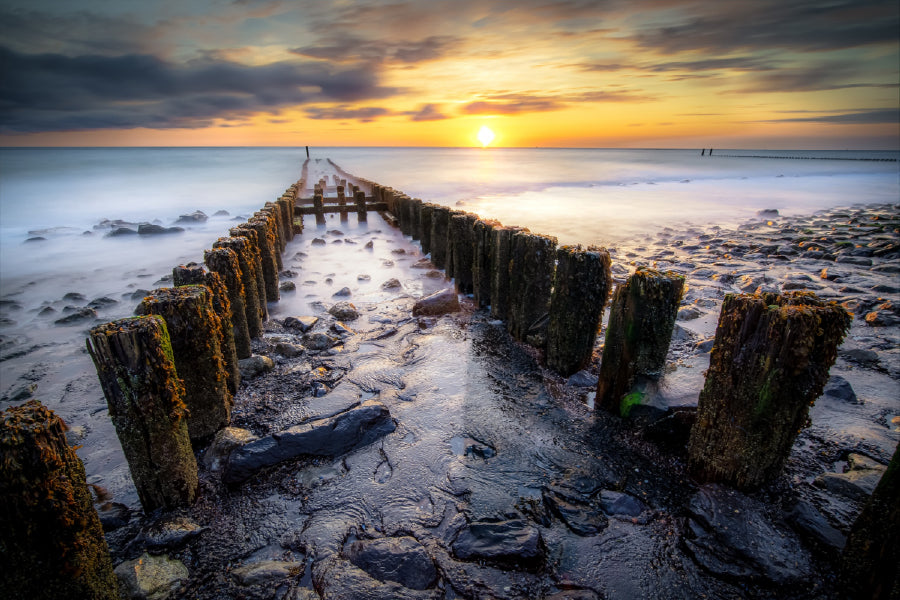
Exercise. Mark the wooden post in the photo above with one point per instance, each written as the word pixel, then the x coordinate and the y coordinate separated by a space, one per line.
pixel 254 261
pixel 52 542
pixel 342 203
pixel 530 284
pixel 425 217
pixel 462 250
pixel 267 255
pixel 641 320
pixel 450 268
pixel 483 231
pixel 869 565
pixel 319 206
pixel 501 252
pixel 134 362
pixel 194 331
pixel 286 208
pixel 224 262
pixel 414 209
pixel 361 206
pixel 402 213
pixel 580 289
pixel 769 363
pixel 247 265
pixel 194 274
pixel 272 216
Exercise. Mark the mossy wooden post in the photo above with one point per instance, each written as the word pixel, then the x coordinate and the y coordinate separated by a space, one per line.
pixel 415 218
pixel 286 207
pixel 361 214
pixel 319 207
pixel 342 203
pixel 581 287
pixel 267 247
pixel 194 274
pixel 145 397
pixel 501 248
pixel 388 194
pixel 51 540
pixel 425 223
pixel 276 211
pixel 440 223
pixel 769 363
pixel 224 262
pixel 530 285
pixel 870 565
pixel 483 231
pixel 641 321
pixel 194 333
pixel 251 271
pixel 271 216
pixel 462 250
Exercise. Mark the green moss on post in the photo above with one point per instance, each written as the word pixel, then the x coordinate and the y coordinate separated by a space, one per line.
pixel 531 266
pixel 501 249
pixel 267 253
pixel 580 289
pixel 462 251
pixel 224 262
pixel 254 255
pixel 769 363
pixel 641 320
pixel 440 226
pixel 247 263
pixel 194 331
pixel 136 368
pixel 194 274
pixel 286 208
pixel 481 263
pixel 274 210
pixel 50 536
pixel 870 565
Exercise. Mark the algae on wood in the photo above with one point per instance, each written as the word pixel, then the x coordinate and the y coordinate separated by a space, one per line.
pixel 145 397
pixel 769 362
pixel 580 289
pixel 425 225
pixel 531 266
pixel 224 262
pixel 483 231
pixel 194 333
pixel 247 265
pixel 254 255
pixel 51 540
pixel 501 251
pixel 462 251
pixel 265 245
pixel 440 226
pixel 641 320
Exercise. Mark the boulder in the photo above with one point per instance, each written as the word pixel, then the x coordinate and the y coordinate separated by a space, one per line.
pixel 288 349
pixel 344 311
pixel 266 572
pixel 287 286
pixel 620 503
pixel 575 511
pixel 391 284
pixel 513 542
pixel 255 365
pixel 319 341
pixel 440 303
pixel 226 440
pixel 402 560
pixel 198 216
pixel 342 293
pixel 151 577
pixel 840 388
pixel 809 523
pixel 304 324
pixel 151 229
pixel 79 316
pixel 169 533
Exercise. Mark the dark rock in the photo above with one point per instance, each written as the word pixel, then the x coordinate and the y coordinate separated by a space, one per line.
pixel 809 523
pixel 287 286
pixel 861 356
pixel 121 231
pixel 767 213
pixel 369 245
pixel 304 324
pixel 620 503
pixel 151 577
pixel 689 313
pixel 36 238
pixel 401 559
pixel 583 379
pixel 319 341
pixel 113 515
pixel 344 311
pixel 575 511
pixel 439 303
pixel 511 542
pixel 730 536
pixel 858 483
pixel 363 277
pixel 149 229
pixel 287 273
pixel 318 242
pixel 840 388
pixel 343 292
pixel 255 365
pixel 79 316
pixel 574 595
pixel 222 213
pixel 340 329
pixel 391 284
pixel 46 311
pixel 20 393
pixel 226 440
pixel 323 437
pixel 74 297
pixel 288 349
pixel 102 302
pixel 169 533
pixel 854 260
pixel 139 294
pixel 881 318
pixel 198 216
pixel 267 572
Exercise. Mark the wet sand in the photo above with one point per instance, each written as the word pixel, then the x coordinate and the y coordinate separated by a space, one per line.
pixel 484 434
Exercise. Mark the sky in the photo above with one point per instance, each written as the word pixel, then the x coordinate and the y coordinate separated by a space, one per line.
pixel 548 73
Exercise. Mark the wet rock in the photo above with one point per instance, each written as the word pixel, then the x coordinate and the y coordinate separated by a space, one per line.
pixel 575 511
pixel 440 303
pixel 255 365
pixel 304 324
pixel 689 313
pixel 198 216
pixel 858 483
pixel 288 349
pixel 881 318
pixel 620 503
pixel 169 533
pixel 344 311
pixel 102 302
pixel 319 341
pixel 340 399
pixel 79 316
pixel 37 238
pixel 23 392
pixel 322 437
pixel 74 297
pixel 767 213
pixel 113 515
pixel 705 345
pixel 583 379
pixel 267 572
pixel 364 278
pixel 151 577
pixel 287 286
pixel 120 231
pixel 730 536
pixel 225 441
pixel 854 260
pixel 139 294
pixel 47 311
pixel 860 356
pixel 318 242
pixel 343 292
pixel 369 245
pixel 341 329
pixel 511 542
pixel 809 523
pixel 222 213
pixel 574 595
pixel 840 388
pixel 402 560
pixel 150 229
pixel 391 284
pixel 288 273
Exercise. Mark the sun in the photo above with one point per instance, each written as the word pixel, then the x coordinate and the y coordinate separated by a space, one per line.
pixel 485 136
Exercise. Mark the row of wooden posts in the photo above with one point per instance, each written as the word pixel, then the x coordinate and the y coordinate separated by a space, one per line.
pixel 169 375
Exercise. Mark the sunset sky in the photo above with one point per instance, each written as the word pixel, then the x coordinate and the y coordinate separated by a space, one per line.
pixel 604 73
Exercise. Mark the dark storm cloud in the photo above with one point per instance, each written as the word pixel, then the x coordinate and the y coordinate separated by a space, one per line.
pixel 343 113
pixel 52 92
pixel 357 49
pixel 800 25
pixel 826 76
pixel 889 116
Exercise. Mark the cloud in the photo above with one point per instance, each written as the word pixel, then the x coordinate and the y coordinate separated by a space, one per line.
pixel 825 76
pixel 427 112
pixel 52 92
pixel 351 48
pixel 341 113
pixel 887 116
pixel 519 103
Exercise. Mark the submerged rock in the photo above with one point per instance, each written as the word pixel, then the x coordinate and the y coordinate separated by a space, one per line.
pixel 198 216
pixel 267 571
pixel 287 286
pixel 440 303
pixel 150 229
pixel 512 542
pixel 401 559
pixel 151 577
pixel 79 316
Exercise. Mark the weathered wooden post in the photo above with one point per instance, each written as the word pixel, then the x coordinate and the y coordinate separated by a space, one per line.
pixel 50 536
pixel 251 274
pixel 224 262
pixel 580 289
pixel 425 223
pixel 134 362
pixel 769 363
pixel 462 250
pixel 402 214
pixel 194 274
pixel 286 207
pixel 440 224
pixel 871 557
pixel 319 208
pixel 414 209
pixel 342 203
pixel 483 231
pixel 641 321
pixel 530 284
pixel 194 332
pixel 263 243
pixel 361 214
pixel 501 252
pixel 272 213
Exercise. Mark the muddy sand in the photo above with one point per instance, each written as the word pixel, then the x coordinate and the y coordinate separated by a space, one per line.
pixel 493 477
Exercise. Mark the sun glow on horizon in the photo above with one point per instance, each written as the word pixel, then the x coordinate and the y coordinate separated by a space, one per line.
pixel 485 136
